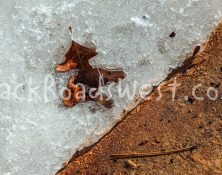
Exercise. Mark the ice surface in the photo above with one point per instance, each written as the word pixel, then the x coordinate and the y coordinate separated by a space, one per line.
pixel 37 134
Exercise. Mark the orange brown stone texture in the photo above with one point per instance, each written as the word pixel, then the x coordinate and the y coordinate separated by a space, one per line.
pixel 167 125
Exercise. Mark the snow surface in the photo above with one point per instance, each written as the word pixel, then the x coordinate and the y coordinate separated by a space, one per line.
pixel 37 134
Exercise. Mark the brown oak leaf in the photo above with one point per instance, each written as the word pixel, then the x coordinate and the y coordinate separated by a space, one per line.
pixel 78 57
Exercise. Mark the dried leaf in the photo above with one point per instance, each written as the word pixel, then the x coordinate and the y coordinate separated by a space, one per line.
pixel 78 57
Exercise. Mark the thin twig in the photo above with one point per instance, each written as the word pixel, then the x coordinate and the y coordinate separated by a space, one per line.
pixel 151 154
